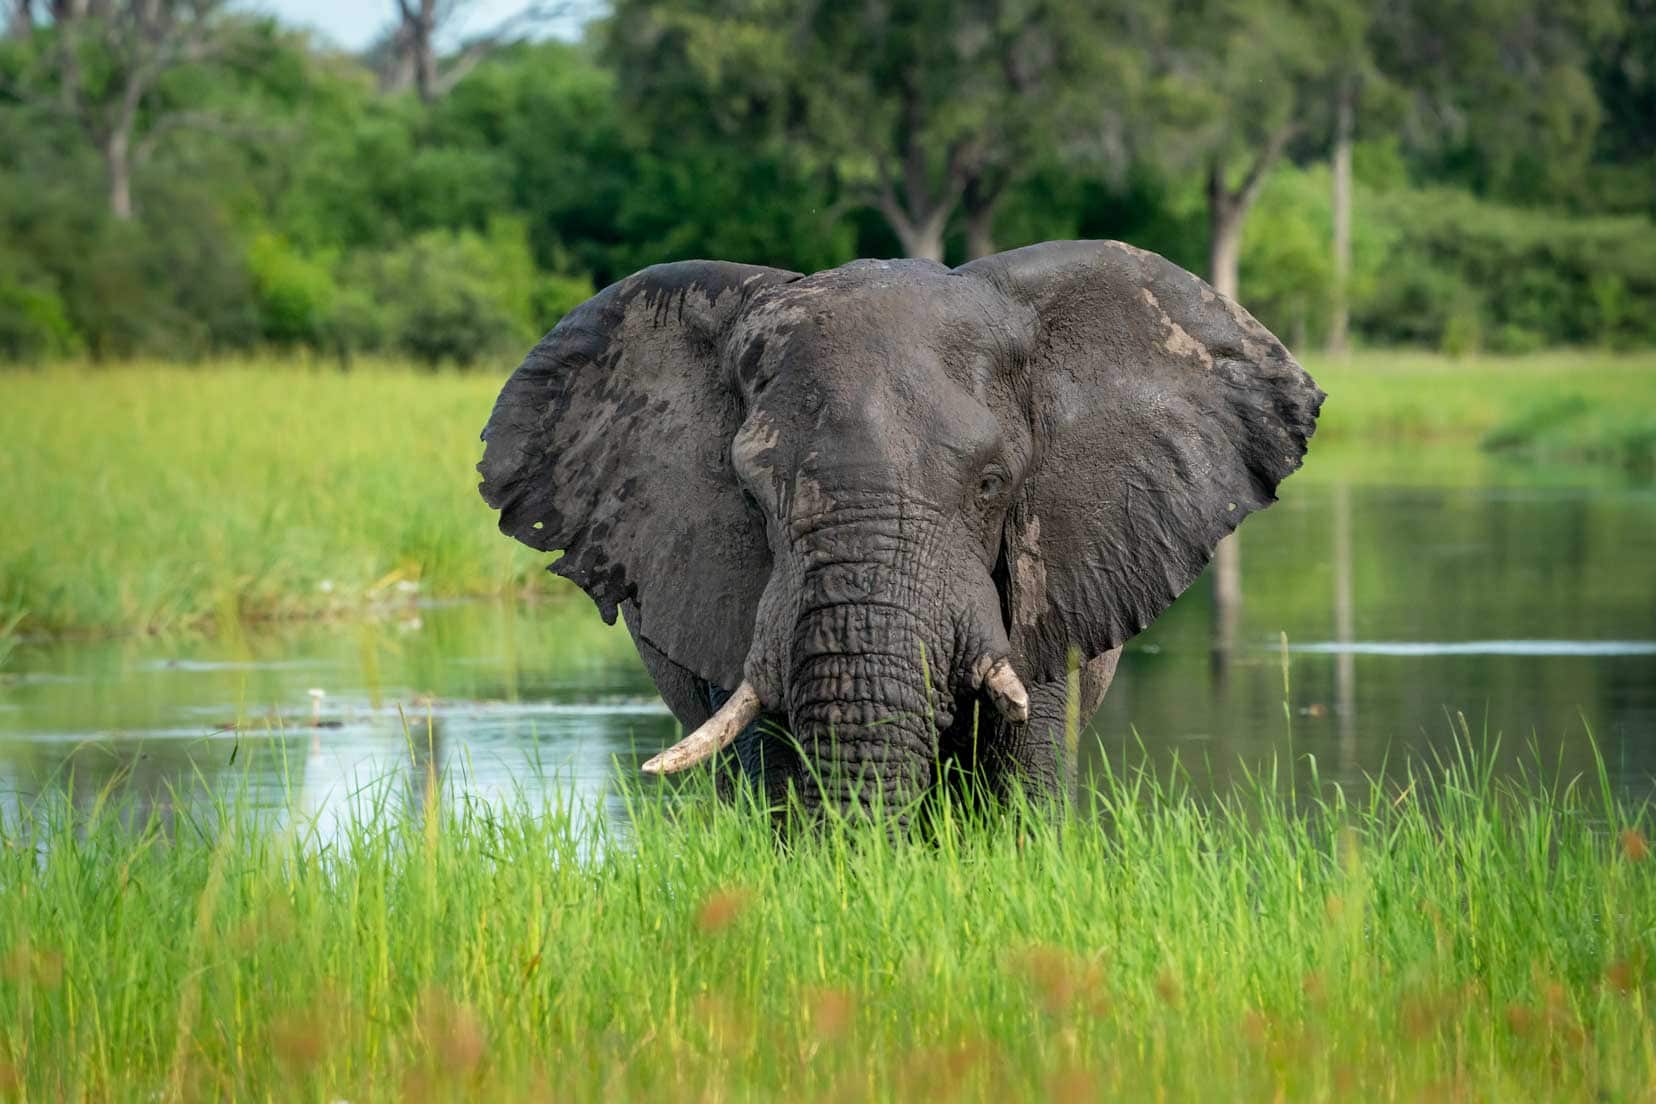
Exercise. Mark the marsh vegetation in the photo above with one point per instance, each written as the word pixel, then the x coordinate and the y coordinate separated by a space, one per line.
pixel 1437 933
pixel 158 498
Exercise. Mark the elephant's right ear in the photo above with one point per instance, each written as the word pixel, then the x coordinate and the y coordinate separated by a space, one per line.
pixel 611 443
pixel 1163 414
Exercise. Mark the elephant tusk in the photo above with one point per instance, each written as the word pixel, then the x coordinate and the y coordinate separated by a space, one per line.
pixel 1007 691
pixel 713 736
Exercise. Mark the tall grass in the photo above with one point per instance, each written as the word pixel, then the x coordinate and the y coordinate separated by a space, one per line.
pixel 155 497
pixel 1443 935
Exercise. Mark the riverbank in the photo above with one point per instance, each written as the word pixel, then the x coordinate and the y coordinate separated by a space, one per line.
pixel 1585 407
pixel 157 498
pixel 1436 936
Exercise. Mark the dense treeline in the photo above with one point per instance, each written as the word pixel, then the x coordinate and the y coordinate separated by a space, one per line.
pixel 179 178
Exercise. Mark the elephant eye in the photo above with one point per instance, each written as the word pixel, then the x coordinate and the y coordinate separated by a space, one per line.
pixel 991 485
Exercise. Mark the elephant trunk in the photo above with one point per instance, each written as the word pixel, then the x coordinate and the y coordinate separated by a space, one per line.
pixel 867 719
pixel 864 641
pixel 871 656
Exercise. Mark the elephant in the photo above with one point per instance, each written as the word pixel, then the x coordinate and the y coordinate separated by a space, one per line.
pixel 864 524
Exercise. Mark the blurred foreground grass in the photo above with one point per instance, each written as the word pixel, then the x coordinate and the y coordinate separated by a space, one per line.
pixel 158 498
pixel 1441 935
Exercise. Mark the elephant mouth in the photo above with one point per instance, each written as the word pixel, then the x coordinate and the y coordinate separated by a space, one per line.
pixel 995 676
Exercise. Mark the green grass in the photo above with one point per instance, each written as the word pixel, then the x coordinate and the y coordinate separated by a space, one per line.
pixel 1442 935
pixel 1588 405
pixel 157 498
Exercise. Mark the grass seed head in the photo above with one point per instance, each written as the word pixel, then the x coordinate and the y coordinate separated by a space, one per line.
pixel 1062 979
pixel 830 1011
pixel 728 1026
pixel 297 1040
pixel 1634 845
pixel 938 1073
pixel 722 908
pixel 1168 988
pixel 1625 974
pixel 1072 1086
pixel 452 1033
pixel 24 963
pixel 1520 1020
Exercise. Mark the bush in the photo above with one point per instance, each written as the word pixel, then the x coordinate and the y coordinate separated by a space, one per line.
pixel 448 297
pixel 1532 278
pixel 34 324
pixel 296 295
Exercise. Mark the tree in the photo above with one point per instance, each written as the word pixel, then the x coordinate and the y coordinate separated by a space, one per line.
pixel 410 54
pixel 107 59
pixel 1624 77
pixel 918 109
pixel 1241 76
pixel 1500 92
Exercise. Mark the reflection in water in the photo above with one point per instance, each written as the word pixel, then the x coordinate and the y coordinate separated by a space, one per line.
pixel 1226 573
pixel 1345 628
pixel 1533 612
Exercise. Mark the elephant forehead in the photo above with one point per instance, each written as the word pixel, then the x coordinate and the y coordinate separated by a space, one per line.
pixel 887 315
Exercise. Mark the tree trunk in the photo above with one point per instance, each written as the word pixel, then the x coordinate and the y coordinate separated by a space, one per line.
pixel 1224 246
pixel 118 164
pixel 1228 209
pixel 21 21
pixel 979 204
pixel 425 65
pixel 415 45
pixel 1225 213
pixel 980 235
pixel 922 240
pixel 1339 319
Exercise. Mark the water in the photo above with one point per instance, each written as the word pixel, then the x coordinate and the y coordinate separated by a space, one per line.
pixel 1530 611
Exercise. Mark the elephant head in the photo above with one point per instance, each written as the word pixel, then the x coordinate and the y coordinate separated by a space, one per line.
pixel 868 499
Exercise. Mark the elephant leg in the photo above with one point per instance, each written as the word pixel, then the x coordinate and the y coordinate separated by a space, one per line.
pixel 1035 755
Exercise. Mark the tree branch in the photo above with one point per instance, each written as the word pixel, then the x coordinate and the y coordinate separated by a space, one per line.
pixel 1263 161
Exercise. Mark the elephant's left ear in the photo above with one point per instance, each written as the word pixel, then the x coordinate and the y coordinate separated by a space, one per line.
pixel 1163 415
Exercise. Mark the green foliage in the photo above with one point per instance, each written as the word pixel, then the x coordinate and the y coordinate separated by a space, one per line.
pixel 1460 272
pixel 452 297
pixel 281 200
pixel 34 324
pixel 296 295
pixel 1287 941
pixel 1287 266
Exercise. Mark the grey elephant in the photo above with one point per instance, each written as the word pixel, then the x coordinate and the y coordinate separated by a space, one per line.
pixel 881 506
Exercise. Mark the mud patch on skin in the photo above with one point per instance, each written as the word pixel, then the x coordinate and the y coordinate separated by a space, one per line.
pixel 1178 340
pixel 753 444
pixel 1256 340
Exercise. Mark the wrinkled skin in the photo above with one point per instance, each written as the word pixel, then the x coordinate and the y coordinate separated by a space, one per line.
pixel 858 490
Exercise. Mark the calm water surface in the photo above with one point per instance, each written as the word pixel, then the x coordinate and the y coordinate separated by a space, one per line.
pixel 1530 610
